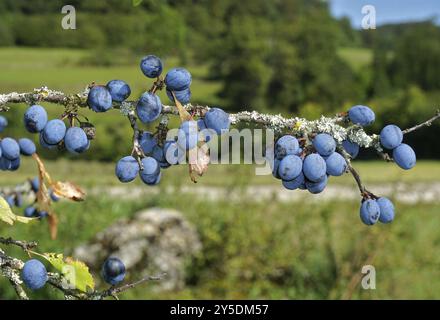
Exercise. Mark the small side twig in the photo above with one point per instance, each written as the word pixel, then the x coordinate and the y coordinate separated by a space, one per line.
pixel 137 150
pixel 113 291
pixel 25 245
pixel 427 123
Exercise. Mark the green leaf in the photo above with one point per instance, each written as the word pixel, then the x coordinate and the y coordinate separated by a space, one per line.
pixel 75 272
pixel 137 2
pixel 7 216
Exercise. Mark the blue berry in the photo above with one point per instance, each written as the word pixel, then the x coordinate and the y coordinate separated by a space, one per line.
pixel 34 274
pixel 35 118
pixel 30 212
pixel 386 210
pixel 43 214
pixel 369 212
pixel 15 164
pixel 149 107
pixel 336 164
pixel 324 144
pixel 76 140
pixel 44 144
pixel 159 155
pixel 217 120
pixel 35 184
pixel 275 164
pixel 54 131
pixel 3 123
pixel 4 164
pixel 119 90
pixel 361 115
pixel 318 186
pixel 286 145
pixel 151 66
pixel 178 79
pixel 10 200
pixel 53 196
pixel 205 133
pixel 183 96
pixel 404 156
pixel 290 167
pixel 127 169
pixel 295 183
pixel 147 141
pixel 27 147
pixel 351 148
pixel 18 201
pixel 391 136
pixel 10 148
pixel 314 167
pixel 99 99
pixel 11 165
pixel 187 136
pixel 150 172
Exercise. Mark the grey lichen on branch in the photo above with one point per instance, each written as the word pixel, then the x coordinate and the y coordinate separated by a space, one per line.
pixel 278 123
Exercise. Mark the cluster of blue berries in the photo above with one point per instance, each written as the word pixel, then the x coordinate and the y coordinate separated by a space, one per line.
pixel 177 82
pixel 34 273
pixel 31 211
pixel 391 138
pixel 305 165
pixel 10 149
pixel 15 199
pixel 54 133
pixel 163 153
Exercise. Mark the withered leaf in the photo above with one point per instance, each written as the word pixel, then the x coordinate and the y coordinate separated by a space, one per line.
pixel 198 162
pixel 68 190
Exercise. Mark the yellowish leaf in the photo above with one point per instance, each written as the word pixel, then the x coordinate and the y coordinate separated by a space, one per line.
pixel 7 216
pixel 76 273
pixel 184 115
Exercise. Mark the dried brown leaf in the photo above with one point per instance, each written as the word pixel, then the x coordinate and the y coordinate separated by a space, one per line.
pixel 68 190
pixel 198 162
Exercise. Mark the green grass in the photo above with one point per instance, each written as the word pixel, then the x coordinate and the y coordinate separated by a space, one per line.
pixel 268 250
pixel 357 58
pixel 24 69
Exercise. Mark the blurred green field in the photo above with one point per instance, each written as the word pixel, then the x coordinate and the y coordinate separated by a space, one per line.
pixel 269 250
pixel 24 69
